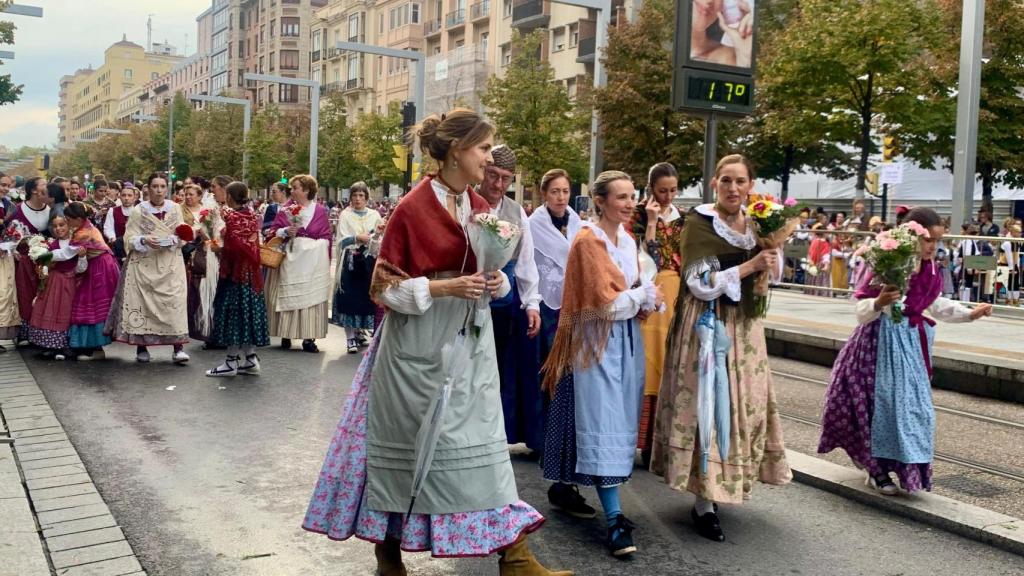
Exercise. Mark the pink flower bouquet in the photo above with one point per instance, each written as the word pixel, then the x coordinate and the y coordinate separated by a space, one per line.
pixel 494 242
pixel 894 258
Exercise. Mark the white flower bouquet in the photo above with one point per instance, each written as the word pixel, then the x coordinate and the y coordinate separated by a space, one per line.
pixel 493 242
pixel 39 250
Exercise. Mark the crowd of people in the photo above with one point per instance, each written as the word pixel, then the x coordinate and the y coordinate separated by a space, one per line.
pixel 826 255
pixel 635 330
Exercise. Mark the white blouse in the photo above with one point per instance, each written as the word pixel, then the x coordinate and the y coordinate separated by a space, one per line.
pixel 725 282
pixel 623 253
pixel 138 243
pixel 942 309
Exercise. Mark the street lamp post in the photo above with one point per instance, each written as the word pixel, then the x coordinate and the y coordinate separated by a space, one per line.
pixel 246 123
pixel 419 88
pixel 604 11
pixel 967 103
pixel 314 113
pixel 23 10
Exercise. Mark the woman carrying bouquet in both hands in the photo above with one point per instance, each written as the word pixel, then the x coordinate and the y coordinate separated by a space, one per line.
pixel 51 313
pixel 298 292
pixel 150 306
pixel 469 505
pixel 721 260
pixel 596 367
pixel 239 311
pixel 878 405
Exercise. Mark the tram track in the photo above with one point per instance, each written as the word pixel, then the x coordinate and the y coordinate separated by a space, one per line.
pixel 939 456
pixel 938 408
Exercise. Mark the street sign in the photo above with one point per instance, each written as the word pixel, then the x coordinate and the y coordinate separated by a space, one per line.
pixel 891 173
pixel 980 262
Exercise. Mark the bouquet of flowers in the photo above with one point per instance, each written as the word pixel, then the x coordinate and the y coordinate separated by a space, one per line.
pixel 13 233
pixel 773 222
pixel 893 257
pixel 206 217
pixel 493 241
pixel 294 214
pixel 185 232
pixel 39 250
pixel 808 267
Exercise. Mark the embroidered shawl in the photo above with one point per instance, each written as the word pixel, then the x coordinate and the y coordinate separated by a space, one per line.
pixel 240 258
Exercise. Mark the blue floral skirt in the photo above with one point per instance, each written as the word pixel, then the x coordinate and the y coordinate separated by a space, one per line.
pixel 239 315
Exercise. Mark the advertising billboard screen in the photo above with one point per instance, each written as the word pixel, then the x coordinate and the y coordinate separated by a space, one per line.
pixel 718 34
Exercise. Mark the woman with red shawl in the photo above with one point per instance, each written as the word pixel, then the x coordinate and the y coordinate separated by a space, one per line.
pixel 239 310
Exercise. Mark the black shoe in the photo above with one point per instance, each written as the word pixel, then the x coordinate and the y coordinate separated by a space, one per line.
pixel 708 525
pixel 567 498
pixel 620 537
pixel 212 346
pixel 309 346
pixel 353 346
pixel 286 343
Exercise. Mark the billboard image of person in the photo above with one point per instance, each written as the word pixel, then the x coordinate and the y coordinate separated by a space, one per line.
pixel 722 33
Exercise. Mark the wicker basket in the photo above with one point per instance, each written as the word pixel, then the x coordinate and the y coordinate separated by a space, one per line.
pixel 270 254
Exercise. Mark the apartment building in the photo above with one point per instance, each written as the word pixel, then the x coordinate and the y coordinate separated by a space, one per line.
pixel 276 41
pixel 91 99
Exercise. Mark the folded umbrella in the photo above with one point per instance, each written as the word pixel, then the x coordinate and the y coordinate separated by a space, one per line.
pixel 705 330
pixel 723 419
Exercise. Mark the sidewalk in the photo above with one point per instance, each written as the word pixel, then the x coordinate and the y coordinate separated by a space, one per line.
pixel 983 358
pixel 54 520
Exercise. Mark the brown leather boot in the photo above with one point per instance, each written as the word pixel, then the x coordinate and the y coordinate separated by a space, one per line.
pixel 517 560
pixel 389 558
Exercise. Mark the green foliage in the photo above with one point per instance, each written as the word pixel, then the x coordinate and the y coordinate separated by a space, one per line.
pixel 182 134
pixel 9 91
pixel 337 166
pixel 215 142
pixel 73 162
pixel 535 116
pixel 266 157
pixel 377 134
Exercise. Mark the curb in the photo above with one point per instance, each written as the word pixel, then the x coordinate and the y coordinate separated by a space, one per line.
pixel 992 528
pixel 55 521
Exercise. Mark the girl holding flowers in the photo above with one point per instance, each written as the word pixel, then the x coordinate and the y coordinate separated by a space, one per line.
pixel 97 284
pixel 51 312
pixel 878 406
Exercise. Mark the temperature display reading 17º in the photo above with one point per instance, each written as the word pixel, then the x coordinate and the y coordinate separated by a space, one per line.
pixel 711 90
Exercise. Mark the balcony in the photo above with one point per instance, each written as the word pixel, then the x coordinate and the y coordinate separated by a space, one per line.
pixel 431 28
pixel 480 10
pixel 332 87
pixel 587 41
pixel 332 53
pixel 354 84
pixel 314 56
pixel 529 15
pixel 455 19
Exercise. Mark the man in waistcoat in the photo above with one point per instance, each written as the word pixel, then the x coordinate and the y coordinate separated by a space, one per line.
pixel 516 317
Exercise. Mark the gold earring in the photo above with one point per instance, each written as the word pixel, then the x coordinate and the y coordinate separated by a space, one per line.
pixel 455 163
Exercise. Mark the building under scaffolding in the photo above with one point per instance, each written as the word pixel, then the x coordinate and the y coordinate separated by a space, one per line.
pixel 456 78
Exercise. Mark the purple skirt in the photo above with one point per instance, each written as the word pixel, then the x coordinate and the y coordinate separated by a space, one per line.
pixel 338 507
pixel 96 290
pixel 850 406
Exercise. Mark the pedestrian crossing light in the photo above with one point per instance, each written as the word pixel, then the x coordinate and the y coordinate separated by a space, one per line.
pixel 890 148
pixel 284 178
pixel 871 183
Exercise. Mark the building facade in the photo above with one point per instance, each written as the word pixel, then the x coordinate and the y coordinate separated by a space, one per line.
pixel 91 99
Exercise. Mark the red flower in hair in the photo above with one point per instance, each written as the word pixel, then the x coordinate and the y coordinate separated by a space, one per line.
pixel 185 233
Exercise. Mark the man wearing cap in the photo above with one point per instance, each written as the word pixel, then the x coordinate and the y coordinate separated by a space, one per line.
pixel 516 317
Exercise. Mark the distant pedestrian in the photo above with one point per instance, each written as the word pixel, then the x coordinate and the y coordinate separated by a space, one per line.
pixel 351 306
pixel 878 406
pixel 240 311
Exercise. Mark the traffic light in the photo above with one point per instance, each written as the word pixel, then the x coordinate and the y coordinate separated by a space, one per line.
pixel 401 159
pixel 871 183
pixel 284 178
pixel 408 115
pixel 172 175
pixel 890 148
pixel 43 162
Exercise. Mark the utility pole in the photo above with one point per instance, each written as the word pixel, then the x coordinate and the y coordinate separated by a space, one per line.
pixel 972 31
pixel 170 138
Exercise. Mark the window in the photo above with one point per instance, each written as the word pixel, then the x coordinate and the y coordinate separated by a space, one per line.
pixel 353 27
pixel 287 93
pixel 557 40
pixel 289 60
pixel 506 56
pixel 290 27
pixel 261 65
pixel 128 73
pixel 484 38
pixel 574 35
pixel 506 7
pixel 218 83
pixel 220 62
pixel 353 67
pixel 570 87
pixel 220 39
pixel 414 13
pixel 316 41
pixel 220 19
pixel 263 30
pixel 154 75
pixel 315 77
pixel 380 66
pixel 273 27
pixel 380 23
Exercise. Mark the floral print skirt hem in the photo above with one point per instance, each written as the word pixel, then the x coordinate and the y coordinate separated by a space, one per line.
pixel 338 508
pixel 51 339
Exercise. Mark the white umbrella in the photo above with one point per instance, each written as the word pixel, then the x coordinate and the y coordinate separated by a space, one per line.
pixel 705 329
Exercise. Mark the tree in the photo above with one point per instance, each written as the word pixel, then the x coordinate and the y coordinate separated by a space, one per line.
pixel 1000 156
pixel 9 91
pixel 73 162
pixel 337 146
pixel 858 64
pixel 215 142
pixel 182 119
pixel 266 157
pixel 535 116
pixel 377 135
pixel 635 107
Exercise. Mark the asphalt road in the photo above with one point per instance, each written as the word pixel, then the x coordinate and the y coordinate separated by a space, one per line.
pixel 212 477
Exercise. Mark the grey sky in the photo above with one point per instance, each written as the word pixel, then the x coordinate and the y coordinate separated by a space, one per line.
pixel 73 34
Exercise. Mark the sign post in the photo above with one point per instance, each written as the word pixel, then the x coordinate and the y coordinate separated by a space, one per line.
pixel 713 68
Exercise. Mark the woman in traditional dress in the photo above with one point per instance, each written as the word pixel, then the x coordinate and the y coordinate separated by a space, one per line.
pixel 839 263
pixel 150 307
pixel 554 227
pixel 1011 254
pixel 298 292
pixel 352 308
pixel 97 285
pixel 658 226
pixel 10 318
pixel 31 217
pixel 99 201
pixel 240 312
pixel 469 505
pixel 720 260
pixel 878 406
pixel 202 265
pixel 117 221
pixel 819 258
pixel 51 312
pixel 595 412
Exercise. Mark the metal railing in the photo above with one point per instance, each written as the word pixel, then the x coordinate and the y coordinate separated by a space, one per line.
pixel 455 18
pixel 480 10
pixel 431 27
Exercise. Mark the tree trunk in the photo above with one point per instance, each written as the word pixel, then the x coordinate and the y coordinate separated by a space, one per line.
pixel 865 136
pixel 787 167
pixel 987 180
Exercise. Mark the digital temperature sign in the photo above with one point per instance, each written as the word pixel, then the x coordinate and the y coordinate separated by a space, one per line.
pixel 717 92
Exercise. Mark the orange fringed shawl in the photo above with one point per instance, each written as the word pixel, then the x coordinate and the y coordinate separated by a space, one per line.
pixel 592 282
